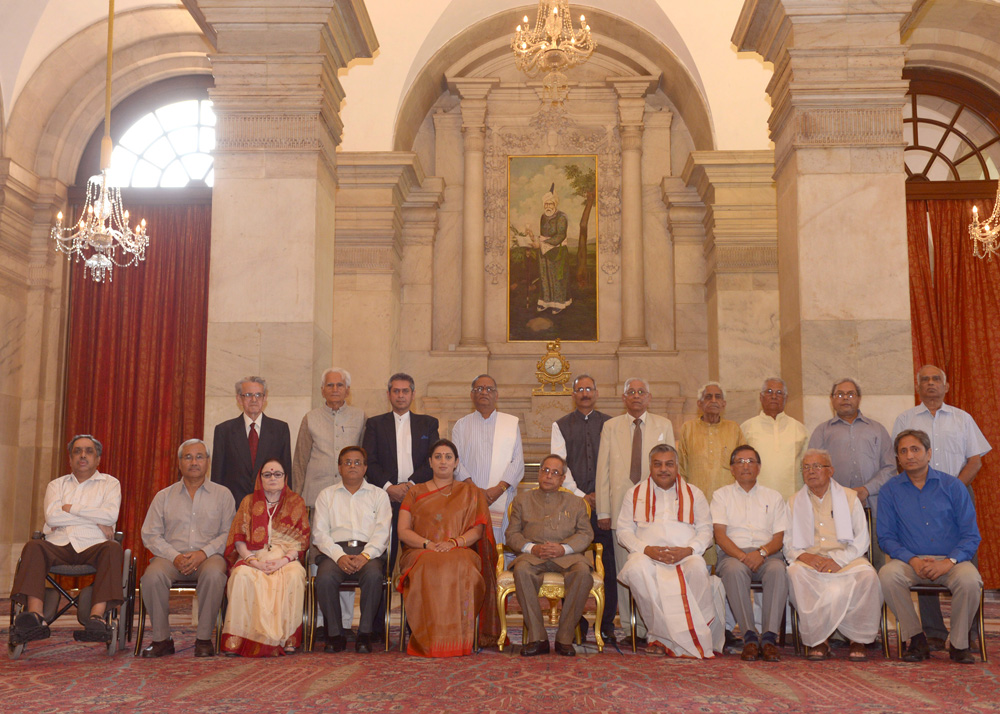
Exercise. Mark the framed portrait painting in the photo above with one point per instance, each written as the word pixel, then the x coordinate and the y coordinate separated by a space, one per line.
pixel 552 239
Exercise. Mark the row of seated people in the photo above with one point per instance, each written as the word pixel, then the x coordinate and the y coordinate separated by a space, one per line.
pixel 448 558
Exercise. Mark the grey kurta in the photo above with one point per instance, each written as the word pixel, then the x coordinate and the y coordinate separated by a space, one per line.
pixel 322 434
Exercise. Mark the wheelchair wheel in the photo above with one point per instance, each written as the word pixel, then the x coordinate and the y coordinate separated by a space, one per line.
pixel 14 651
pixel 116 631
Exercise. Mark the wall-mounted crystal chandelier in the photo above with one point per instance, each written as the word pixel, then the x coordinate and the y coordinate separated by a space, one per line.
pixel 103 227
pixel 552 46
pixel 986 236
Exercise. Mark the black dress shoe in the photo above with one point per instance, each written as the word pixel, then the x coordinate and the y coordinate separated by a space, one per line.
pixel 363 643
pixel 584 628
pixel 609 637
pixel 159 649
pixel 936 644
pixel 916 651
pixel 565 650
pixel 535 648
pixel 733 645
pixel 336 643
pixel 961 656
pixel 204 648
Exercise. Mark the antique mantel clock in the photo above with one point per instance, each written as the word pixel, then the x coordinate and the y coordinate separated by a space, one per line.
pixel 553 371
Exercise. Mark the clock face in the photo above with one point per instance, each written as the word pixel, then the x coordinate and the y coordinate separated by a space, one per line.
pixel 553 365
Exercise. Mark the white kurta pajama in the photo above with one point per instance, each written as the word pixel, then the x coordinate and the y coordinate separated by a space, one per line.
pixel 682 605
pixel 849 600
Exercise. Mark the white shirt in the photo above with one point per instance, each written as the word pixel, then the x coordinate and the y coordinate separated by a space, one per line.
pixel 247 421
pixel 665 529
pixel 404 448
pixel 954 434
pixel 94 502
pixel 752 518
pixel 557 446
pixel 340 515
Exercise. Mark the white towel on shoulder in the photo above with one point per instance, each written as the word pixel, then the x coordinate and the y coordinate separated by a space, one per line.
pixel 803 526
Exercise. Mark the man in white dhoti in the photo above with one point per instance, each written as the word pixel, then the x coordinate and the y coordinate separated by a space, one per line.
pixel 832 584
pixel 665 525
pixel 489 450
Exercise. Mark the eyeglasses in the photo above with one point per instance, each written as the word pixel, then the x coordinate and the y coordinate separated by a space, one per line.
pixel 807 468
pixel 487 390
pixel 352 462
pixel 770 392
pixel 550 472
pixel 195 457
pixel 846 395
pixel 252 395
pixel 636 393
pixel 744 461
pixel 584 390
pixel 273 474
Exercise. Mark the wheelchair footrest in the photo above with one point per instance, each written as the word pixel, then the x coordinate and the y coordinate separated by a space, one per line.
pixel 95 631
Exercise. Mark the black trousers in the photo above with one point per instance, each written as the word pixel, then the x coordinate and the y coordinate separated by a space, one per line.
pixel 329 578
pixel 606 539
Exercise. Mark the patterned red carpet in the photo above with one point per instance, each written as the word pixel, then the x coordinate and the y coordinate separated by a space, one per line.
pixel 60 675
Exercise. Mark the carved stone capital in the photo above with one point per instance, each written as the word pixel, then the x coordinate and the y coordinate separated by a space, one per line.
pixel 631 137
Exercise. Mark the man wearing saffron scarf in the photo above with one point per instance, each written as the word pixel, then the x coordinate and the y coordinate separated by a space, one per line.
pixel 665 525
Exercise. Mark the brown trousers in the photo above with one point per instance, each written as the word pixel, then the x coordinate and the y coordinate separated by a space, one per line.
pixel 38 556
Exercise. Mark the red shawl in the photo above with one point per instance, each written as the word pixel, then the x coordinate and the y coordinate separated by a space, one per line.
pixel 250 524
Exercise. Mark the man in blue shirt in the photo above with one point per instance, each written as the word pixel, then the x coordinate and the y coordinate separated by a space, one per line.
pixel 927 526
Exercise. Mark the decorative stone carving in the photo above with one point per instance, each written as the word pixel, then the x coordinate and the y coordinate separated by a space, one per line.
pixel 274 132
pixel 880 126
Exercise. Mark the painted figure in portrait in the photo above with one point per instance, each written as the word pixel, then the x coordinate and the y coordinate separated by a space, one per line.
pixel 552 221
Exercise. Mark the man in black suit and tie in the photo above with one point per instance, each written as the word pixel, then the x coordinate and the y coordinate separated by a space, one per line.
pixel 398 445
pixel 243 444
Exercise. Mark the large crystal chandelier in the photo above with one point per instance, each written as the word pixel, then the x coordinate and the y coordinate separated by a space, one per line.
pixel 986 236
pixel 103 226
pixel 552 46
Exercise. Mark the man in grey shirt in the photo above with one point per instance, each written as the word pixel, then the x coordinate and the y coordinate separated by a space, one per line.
pixel 186 529
pixel 860 449
pixel 323 433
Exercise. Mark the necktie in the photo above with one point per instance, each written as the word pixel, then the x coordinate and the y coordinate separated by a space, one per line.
pixel 253 438
pixel 635 472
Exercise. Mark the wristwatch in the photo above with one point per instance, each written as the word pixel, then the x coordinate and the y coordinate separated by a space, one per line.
pixel 953 561
pixel 763 553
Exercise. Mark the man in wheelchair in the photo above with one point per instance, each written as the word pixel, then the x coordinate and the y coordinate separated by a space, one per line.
pixel 81 510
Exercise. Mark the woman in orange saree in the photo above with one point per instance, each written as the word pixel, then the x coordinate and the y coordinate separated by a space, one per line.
pixel 448 561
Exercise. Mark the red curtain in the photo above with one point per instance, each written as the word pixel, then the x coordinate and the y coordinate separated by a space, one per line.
pixel 136 376
pixel 956 326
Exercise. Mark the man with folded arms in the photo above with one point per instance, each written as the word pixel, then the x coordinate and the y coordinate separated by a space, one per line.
pixel 927 526
pixel 351 525
pixel 550 529
pixel 185 530
pixel 750 521
pixel 81 509
pixel 833 586
pixel 665 525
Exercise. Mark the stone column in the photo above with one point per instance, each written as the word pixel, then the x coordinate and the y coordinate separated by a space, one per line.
pixel 631 108
pixel 276 97
pixel 741 280
pixel 33 313
pixel 473 93
pixel 373 188
pixel 837 125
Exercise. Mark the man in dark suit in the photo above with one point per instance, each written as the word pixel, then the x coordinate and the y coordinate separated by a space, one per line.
pixel 398 445
pixel 243 444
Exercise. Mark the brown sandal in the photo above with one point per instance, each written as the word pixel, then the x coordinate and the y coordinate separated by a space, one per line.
pixel 858 653
pixel 818 653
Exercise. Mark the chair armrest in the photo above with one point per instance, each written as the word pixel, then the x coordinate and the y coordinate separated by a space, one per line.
pixel 119 537
pixel 500 547
pixel 37 535
pixel 598 558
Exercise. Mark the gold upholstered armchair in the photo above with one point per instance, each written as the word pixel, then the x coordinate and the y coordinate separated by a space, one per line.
pixel 553 588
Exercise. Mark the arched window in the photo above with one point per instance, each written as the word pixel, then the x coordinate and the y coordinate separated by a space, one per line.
pixel 952 130
pixel 170 147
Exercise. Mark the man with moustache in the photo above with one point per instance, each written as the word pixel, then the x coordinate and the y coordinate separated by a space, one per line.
pixel 779 439
pixel 553 255
pixel 625 442
pixel 550 529
pixel 927 527
pixel 490 453
pixel 323 434
pixel 351 531
pixel 577 438
pixel 81 509
pixel 185 530
pixel 665 525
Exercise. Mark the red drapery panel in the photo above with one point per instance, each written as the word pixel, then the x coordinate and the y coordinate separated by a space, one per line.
pixel 956 326
pixel 137 358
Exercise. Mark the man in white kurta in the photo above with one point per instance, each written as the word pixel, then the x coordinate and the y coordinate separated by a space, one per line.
pixel 779 439
pixel 489 451
pixel 665 525
pixel 832 584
